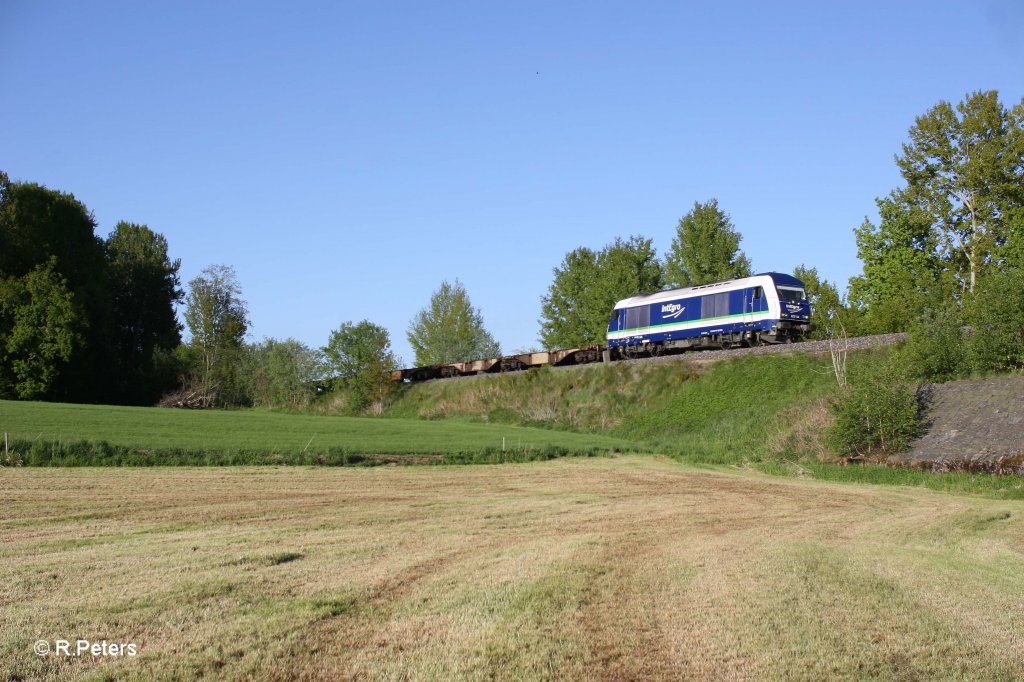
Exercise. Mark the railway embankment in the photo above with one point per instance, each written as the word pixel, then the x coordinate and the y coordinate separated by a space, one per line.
pixel 975 424
pixel 769 403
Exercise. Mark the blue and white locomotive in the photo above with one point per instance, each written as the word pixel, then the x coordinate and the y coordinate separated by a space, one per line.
pixel 766 308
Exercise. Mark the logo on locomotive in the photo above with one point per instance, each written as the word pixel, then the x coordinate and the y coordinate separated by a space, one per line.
pixel 672 310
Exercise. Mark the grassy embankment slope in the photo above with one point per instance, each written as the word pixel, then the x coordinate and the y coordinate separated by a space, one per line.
pixel 623 568
pixel 163 436
pixel 768 412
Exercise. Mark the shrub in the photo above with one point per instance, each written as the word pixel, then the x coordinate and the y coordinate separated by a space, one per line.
pixel 936 350
pixel 996 316
pixel 876 414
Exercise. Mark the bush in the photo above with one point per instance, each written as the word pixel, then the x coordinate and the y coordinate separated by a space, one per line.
pixel 996 316
pixel 876 414
pixel 936 351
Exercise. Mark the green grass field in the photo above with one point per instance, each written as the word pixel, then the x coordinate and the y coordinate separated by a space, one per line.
pixel 260 431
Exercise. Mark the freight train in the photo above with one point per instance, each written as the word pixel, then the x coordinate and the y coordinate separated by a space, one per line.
pixel 766 308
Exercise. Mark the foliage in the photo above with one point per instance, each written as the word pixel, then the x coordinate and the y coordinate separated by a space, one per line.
pixel 964 169
pixel 121 293
pixel 706 248
pixel 45 229
pixel 450 329
pixel 360 356
pixel 936 351
pixel 901 268
pixel 985 334
pixel 144 287
pixel 995 314
pixel 828 313
pixel 42 329
pixel 38 224
pixel 959 216
pixel 283 374
pixel 571 314
pixel 217 317
pixel 587 285
pixel 876 414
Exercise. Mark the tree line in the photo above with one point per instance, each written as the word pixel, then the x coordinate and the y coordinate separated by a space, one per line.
pixel 91 319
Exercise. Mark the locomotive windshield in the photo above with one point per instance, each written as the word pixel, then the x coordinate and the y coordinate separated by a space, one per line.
pixel 790 295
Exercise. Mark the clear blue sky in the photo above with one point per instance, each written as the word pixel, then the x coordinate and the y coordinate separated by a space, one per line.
pixel 347 157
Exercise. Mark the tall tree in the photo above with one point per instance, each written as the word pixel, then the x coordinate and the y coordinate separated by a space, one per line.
pixel 571 314
pixel 144 288
pixel 42 328
pixel 450 329
pixel 217 318
pixel 903 268
pixel 361 356
pixel 44 228
pixel 706 248
pixel 587 284
pixel 959 216
pixel 964 169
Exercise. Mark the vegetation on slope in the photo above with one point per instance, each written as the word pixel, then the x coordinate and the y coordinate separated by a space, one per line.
pixel 725 412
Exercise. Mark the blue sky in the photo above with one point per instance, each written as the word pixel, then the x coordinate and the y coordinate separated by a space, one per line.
pixel 345 158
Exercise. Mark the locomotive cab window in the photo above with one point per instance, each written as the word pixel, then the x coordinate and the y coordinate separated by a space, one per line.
pixel 758 293
pixel 791 295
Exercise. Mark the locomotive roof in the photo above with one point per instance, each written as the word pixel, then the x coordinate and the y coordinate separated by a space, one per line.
pixel 714 287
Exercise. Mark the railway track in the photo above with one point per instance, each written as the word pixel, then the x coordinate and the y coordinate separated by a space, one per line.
pixel 595 354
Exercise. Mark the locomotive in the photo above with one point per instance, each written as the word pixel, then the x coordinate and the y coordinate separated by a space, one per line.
pixel 767 308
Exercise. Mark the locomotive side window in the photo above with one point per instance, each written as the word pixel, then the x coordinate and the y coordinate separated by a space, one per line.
pixel 714 305
pixel 758 293
pixel 638 317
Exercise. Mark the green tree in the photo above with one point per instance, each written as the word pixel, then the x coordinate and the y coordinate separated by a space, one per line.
pixel 144 288
pixel 283 374
pixel 706 248
pixel 44 228
pixel 964 169
pixel 571 314
pixel 360 356
pixel 827 310
pixel 450 329
pixel 903 268
pixel 42 329
pixel 586 286
pixel 217 318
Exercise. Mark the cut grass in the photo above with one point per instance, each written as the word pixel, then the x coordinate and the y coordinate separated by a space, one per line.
pixel 251 431
pixel 621 568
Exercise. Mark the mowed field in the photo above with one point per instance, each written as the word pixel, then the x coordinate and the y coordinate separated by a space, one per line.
pixel 614 568
pixel 155 428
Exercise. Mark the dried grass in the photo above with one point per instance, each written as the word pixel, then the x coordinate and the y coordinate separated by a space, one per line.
pixel 629 568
